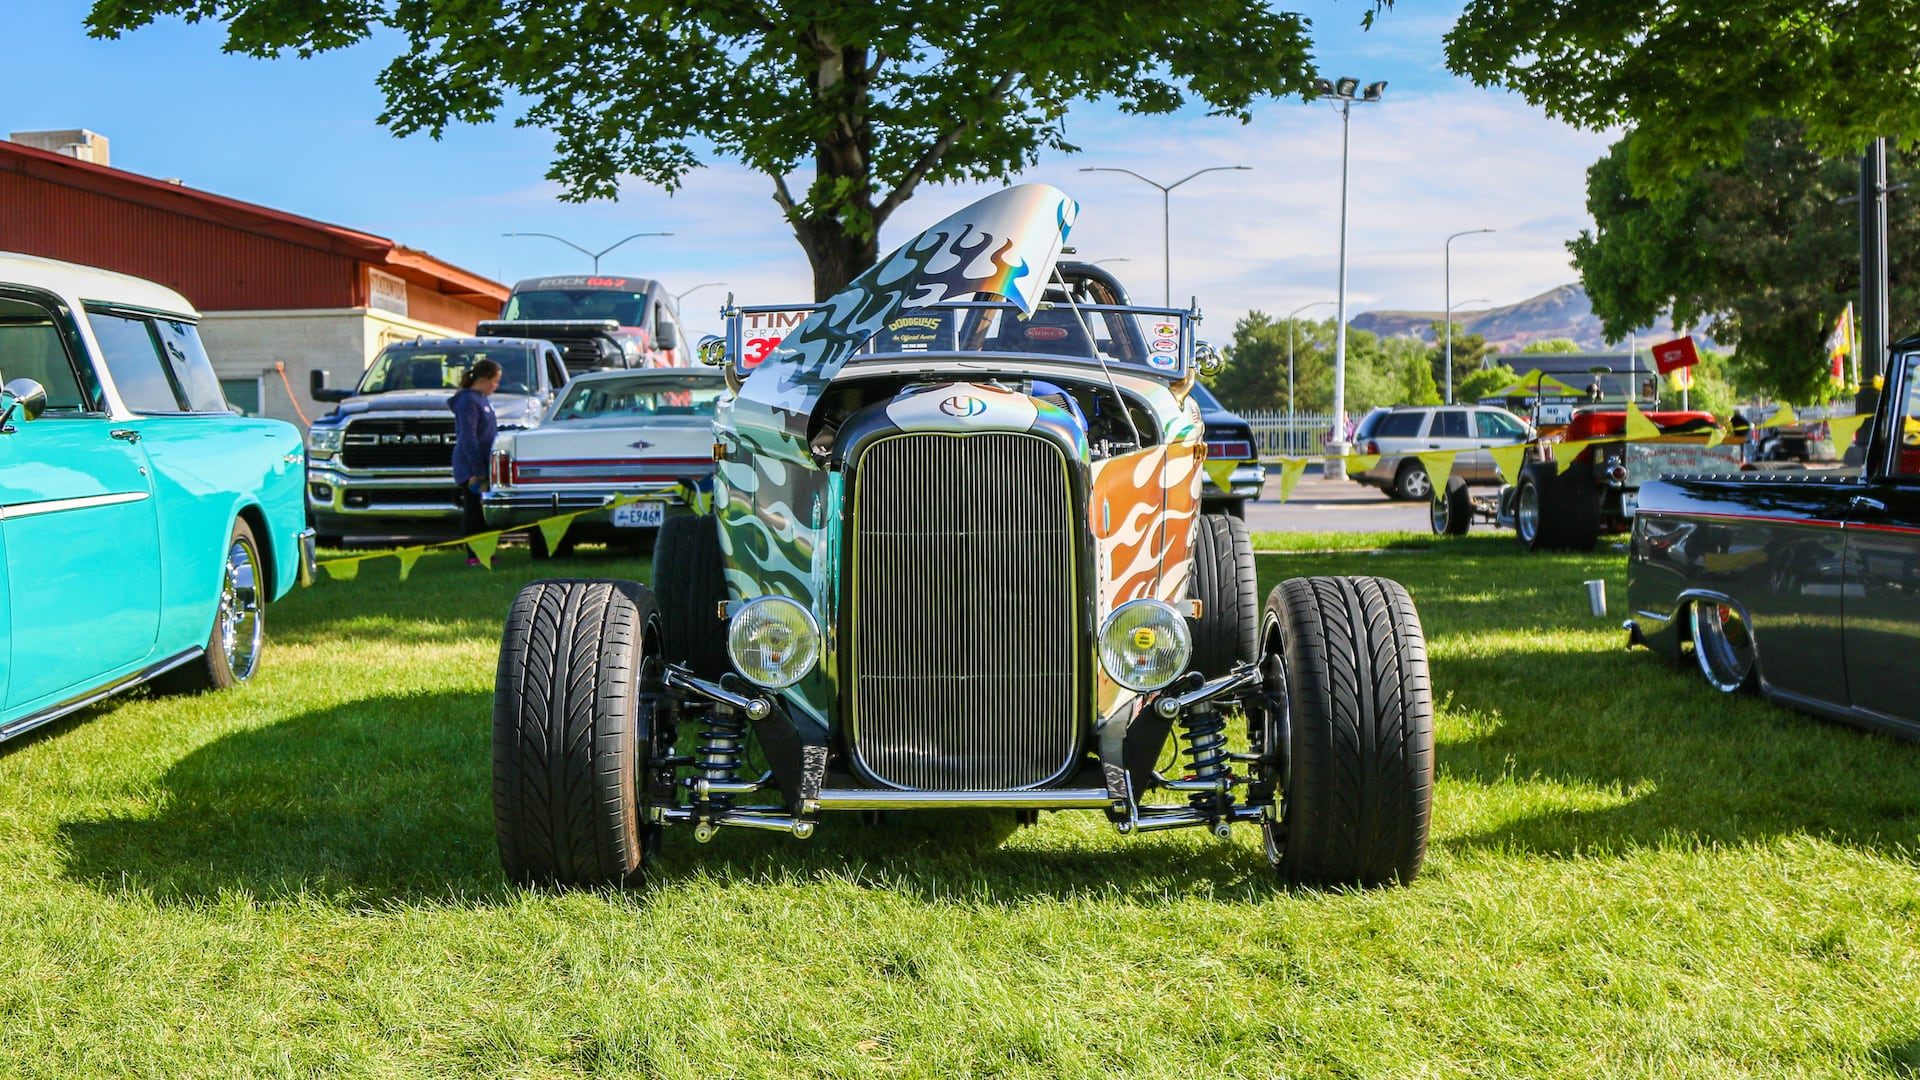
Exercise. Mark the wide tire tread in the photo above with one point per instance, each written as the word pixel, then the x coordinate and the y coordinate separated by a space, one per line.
pixel 568 734
pixel 1360 800
pixel 1225 583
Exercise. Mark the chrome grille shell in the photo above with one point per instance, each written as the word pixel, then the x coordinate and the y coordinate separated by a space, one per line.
pixel 965 659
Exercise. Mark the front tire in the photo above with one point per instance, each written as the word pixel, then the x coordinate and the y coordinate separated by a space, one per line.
pixel 1223 581
pixel 1356 779
pixel 574 732
pixel 233 649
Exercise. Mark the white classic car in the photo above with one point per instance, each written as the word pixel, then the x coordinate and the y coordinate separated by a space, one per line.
pixel 611 435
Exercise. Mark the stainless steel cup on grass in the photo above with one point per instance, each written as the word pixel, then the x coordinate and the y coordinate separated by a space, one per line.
pixel 1597 596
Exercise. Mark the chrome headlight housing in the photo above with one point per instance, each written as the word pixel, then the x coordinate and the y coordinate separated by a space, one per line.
pixel 324 442
pixel 1145 644
pixel 773 641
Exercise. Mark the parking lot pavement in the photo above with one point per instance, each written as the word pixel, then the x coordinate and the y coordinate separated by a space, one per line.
pixel 1322 505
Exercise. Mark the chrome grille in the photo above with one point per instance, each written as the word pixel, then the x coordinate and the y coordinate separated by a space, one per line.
pixel 963 628
pixel 398 442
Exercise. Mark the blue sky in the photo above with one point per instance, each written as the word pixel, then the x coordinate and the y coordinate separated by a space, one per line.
pixel 1439 155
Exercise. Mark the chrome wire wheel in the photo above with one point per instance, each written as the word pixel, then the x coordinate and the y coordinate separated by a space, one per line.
pixel 1723 644
pixel 240 623
pixel 1526 512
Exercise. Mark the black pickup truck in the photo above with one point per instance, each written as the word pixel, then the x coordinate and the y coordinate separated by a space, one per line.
pixel 1803 585
pixel 598 321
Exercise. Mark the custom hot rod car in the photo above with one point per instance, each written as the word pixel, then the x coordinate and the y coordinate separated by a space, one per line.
pixel 144 526
pixel 1802 585
pixel 956 560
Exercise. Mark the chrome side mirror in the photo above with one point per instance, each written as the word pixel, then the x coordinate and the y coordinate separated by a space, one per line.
pixel 22 396
pixel 1207 359
pixel 712 351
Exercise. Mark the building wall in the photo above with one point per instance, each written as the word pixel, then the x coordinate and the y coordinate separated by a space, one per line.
pixel 217 267
pixel 248 345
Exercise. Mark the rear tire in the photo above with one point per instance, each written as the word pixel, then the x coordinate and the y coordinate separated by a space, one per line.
pixel 573 732
pixel 1223 581
pixel 1723 644
pixel 689 580
pixel 1555 512
pixel 1452 512
pixel 1356 790
pixel 1411 483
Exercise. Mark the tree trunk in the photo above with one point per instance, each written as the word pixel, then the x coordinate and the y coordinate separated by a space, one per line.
pixel 838 256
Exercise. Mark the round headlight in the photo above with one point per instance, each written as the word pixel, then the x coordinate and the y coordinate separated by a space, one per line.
pixel 773 641
pixel 1144 645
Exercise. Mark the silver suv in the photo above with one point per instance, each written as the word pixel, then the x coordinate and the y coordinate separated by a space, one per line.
pixel 1396 434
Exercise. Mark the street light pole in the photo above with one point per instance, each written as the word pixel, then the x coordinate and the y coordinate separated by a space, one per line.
pixel 1449 359
pixel 1290 318
pixel 1336 467
pixel 677 297
pixel 1447 249
pixel 1166 215
pixel 594 255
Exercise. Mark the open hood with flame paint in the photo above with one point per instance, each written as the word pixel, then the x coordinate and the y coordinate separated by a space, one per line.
pixel 1004 245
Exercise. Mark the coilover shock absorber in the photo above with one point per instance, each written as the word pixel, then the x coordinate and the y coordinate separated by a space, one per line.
pixel 721 745
pixel 1204 733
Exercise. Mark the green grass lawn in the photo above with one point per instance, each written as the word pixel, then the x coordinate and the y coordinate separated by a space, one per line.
pixel 1630 875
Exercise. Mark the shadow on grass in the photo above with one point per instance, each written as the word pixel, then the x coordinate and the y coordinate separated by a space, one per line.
pixel 1900 1058
pixel 384 797
pixel 388 799
pixel 1694 767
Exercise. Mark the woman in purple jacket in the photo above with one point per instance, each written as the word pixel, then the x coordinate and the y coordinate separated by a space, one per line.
pixel 473 431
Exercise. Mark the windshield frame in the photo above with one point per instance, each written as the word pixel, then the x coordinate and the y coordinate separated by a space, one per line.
pixel 409 350
pixel 511 313
pixel 705 382
pixel 1184 320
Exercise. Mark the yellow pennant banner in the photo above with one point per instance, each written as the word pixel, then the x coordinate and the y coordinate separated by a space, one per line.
pixel 1439 465
pixel 1357 463
pixel 1638 426
pixel 483 545
pixel 1291 471
pixel 1509 459
pixel 1783 418
pixel 1566 453
pixel 1844 428
pixel 1220 472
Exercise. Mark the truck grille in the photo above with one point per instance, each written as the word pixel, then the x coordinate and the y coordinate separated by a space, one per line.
pixel 586 353
pixel 964 623
pixel 412 442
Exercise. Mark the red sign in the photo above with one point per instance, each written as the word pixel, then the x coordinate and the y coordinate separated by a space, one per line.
pixel 1675 354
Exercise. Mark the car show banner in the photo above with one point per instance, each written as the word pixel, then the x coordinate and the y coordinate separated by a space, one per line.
pixel 482 545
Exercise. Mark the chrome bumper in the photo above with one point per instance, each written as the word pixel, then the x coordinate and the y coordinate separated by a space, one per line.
pixel 430 494
pixel 1246 479
pixel 507 508
pixel 309 565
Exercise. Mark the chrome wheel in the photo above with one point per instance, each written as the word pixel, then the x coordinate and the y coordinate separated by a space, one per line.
pixel 1723 644
pixel 1437 515
pixel 1415 483
pixel 240 624
pixel 1526 512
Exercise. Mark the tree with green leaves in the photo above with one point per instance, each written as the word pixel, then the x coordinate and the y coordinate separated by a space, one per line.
pixel 1485 383
pixel 1469 353
pixel 1415 382
pixel 1692 77
pixel 1558 346
pixel 846 108
pixel 1759 253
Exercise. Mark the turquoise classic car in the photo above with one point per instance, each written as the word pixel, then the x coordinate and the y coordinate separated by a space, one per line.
pixel 144 525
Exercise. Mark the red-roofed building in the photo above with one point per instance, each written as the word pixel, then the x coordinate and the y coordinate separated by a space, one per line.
pixel 282 295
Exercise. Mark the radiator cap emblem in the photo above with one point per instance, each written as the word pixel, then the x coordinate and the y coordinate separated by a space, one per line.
pixel 963 405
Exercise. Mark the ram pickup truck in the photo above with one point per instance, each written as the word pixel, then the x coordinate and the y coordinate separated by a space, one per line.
pixel 380 465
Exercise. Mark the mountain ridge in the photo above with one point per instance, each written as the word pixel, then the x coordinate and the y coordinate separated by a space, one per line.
pixel 1564 311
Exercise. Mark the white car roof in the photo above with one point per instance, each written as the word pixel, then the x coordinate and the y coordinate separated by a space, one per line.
pixel 628 373
pixel 78 284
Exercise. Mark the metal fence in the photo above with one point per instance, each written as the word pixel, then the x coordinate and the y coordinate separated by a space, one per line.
pixel 1280 435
